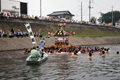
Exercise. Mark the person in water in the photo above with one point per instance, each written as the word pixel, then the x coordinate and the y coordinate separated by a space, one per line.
pixel 25 51
pixel 117 52
pixel 59 52
pixel 29 50
pixel 75 54
pixel 35 55
pixel 100 51
pixel 69 52
pixel 107 51
pixel 37 48
pixel 103 54
pixel 90 54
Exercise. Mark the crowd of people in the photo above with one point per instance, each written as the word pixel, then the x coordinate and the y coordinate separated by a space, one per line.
pixel 23 16
pixel 12 33
pixel 19 33
pixel 71 50
pixel 75 51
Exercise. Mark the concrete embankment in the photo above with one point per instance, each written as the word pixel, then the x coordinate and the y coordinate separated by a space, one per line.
pixel 20 43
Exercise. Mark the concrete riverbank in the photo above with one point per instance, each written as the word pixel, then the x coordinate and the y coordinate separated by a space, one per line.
pixel 20 43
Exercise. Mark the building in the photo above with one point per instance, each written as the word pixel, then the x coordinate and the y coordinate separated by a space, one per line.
pixel 117 24
pixel 61 15
pixel 13 7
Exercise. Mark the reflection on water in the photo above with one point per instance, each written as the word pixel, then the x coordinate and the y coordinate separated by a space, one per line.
pixel 61 67
pixel 34 70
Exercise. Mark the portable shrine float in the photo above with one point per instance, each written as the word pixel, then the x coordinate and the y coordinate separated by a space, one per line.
pixel 61 39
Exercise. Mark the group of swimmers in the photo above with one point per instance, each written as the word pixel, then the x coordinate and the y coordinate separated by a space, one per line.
pixel 75 51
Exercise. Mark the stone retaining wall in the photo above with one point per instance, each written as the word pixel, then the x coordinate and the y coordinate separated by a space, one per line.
pixel 20 43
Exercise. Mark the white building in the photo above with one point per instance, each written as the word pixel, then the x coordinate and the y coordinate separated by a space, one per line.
pixel 117 24
pixel 67 15
pixel 13 7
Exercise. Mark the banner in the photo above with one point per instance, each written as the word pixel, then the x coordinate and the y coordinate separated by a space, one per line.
pixel 30 33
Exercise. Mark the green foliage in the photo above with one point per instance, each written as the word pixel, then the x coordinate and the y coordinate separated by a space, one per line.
pixel 107 17
pixel 90 35
pixel 93 20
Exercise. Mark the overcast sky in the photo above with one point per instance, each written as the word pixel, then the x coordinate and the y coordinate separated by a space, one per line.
pixel 48 6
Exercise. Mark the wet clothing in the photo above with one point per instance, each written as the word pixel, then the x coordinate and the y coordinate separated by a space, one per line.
pixel 42 54
pixel 35 55
pixel 90 54
pixel 41 44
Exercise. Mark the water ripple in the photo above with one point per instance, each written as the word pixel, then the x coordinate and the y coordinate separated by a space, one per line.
pixel 61 67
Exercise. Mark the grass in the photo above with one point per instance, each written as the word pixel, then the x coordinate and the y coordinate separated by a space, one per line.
pixel 90 35
pixel 82 31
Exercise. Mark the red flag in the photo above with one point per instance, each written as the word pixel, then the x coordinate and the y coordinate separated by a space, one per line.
pixel 73 33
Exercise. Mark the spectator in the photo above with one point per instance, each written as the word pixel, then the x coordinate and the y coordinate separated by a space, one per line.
pixel 1 15
pixel 4 34
pixel 19 34
pixel 26 34
pixel 35 34
pixel 11 35
pixel 40 34
pixel 12 30
pixel 0 33
pixel 22 33
pixel 47 36
pixel 8 15
pixel 15 34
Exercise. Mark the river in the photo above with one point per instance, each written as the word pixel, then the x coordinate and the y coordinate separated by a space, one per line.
pixel 61 67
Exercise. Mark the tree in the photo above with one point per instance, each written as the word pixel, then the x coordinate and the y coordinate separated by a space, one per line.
pixel 93 20
pixel 107 17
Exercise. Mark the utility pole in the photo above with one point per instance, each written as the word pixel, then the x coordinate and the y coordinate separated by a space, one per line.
pixel 90 9
pixel 0 6
pixel 112 15
pixel 81 11
pixel 40 8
